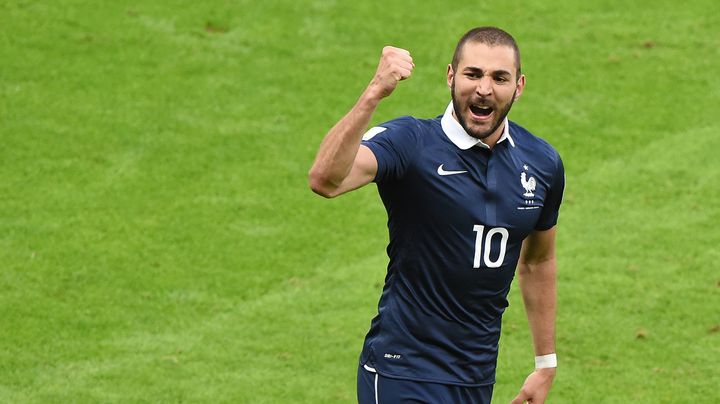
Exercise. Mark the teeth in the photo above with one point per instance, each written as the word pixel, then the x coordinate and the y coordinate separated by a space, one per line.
pixel 482 110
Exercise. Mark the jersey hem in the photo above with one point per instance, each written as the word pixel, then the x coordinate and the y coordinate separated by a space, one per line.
pixel 420 379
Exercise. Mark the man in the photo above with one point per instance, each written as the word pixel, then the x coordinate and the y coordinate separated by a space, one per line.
pixel 470 197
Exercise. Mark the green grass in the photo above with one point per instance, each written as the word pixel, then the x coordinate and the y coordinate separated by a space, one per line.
pixel 158 242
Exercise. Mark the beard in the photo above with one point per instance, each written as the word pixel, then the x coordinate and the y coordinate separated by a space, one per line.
pixel 501 111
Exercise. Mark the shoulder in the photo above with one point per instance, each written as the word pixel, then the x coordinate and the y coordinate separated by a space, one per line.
pixel 410 121
pixel 533 145
pixel 396 145
pixel 403 122
pixel 405 125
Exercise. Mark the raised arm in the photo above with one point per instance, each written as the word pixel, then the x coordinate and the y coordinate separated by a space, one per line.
pixel 342 163
pixel 537 271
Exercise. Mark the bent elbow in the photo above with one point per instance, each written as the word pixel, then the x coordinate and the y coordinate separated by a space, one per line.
pixel 324 191
pixel 321 185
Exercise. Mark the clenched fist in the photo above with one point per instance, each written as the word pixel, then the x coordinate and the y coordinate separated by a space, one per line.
pixel 395 64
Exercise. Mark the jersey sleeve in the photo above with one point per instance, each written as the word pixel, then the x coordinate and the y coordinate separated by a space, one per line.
pixel 394 144
pixel 551 209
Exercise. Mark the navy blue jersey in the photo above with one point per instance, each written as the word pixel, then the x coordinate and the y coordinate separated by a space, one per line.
pixel 458 212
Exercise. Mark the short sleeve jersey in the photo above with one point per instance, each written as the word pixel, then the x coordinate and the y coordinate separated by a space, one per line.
pixel 457 216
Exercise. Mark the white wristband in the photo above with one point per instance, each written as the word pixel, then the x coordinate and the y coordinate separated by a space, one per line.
pixel 546 361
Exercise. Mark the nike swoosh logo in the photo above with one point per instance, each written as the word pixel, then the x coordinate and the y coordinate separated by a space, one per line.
pixel 441 171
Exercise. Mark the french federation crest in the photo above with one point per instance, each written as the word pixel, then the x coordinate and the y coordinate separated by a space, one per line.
pixel 527 183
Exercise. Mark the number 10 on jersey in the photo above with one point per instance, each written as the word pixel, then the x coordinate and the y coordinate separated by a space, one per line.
pixel 483 245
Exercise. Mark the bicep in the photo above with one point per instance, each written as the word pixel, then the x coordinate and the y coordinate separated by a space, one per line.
pixel 363 171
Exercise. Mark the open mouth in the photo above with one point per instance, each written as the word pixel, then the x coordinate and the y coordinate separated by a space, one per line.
pixel 482 111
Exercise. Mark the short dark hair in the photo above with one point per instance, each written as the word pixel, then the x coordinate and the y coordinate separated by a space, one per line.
pixel 491 36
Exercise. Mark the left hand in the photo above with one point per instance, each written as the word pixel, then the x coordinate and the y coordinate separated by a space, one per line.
pixel 536 387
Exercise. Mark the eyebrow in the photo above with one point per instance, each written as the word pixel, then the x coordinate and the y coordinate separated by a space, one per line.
pixel 473 69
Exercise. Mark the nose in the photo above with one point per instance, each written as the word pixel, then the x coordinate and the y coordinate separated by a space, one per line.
pixel 484 86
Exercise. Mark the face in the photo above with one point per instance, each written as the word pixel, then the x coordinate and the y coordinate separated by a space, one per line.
pixel 484 88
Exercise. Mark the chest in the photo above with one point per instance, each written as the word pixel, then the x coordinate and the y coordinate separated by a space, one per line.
pixel 500 188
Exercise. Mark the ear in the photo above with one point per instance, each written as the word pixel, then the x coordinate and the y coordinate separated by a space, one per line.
pixel 520 86
pixel 450 75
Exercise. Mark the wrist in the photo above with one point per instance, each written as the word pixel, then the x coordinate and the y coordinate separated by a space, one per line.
pixel 369 99
pixel 379 88
pixel 546 374
pixel 548 361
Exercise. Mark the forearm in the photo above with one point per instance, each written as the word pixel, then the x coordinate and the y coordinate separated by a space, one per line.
pixel 539 291
pixel 537 273
pixel 338 149
pixel 341 164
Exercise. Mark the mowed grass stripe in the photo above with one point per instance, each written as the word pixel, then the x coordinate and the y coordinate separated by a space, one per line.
pixel 257 351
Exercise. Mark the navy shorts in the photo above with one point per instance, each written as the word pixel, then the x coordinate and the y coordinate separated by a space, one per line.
pixel 373 388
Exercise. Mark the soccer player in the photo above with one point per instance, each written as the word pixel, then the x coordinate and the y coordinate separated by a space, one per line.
pixel 470 198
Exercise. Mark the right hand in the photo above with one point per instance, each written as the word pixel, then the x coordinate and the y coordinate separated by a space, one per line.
pixel 395 64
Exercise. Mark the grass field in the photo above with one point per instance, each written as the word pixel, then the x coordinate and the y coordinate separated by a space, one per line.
pixel 159 243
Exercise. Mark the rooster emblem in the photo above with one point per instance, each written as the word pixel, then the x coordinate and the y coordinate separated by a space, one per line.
pixel 528 184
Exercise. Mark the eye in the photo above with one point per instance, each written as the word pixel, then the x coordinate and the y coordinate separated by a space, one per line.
pixel 501 79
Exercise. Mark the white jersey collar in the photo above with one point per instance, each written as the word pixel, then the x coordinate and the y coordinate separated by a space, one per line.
pixel 455 132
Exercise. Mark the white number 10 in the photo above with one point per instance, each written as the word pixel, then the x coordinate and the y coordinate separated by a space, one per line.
pixel 483 242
